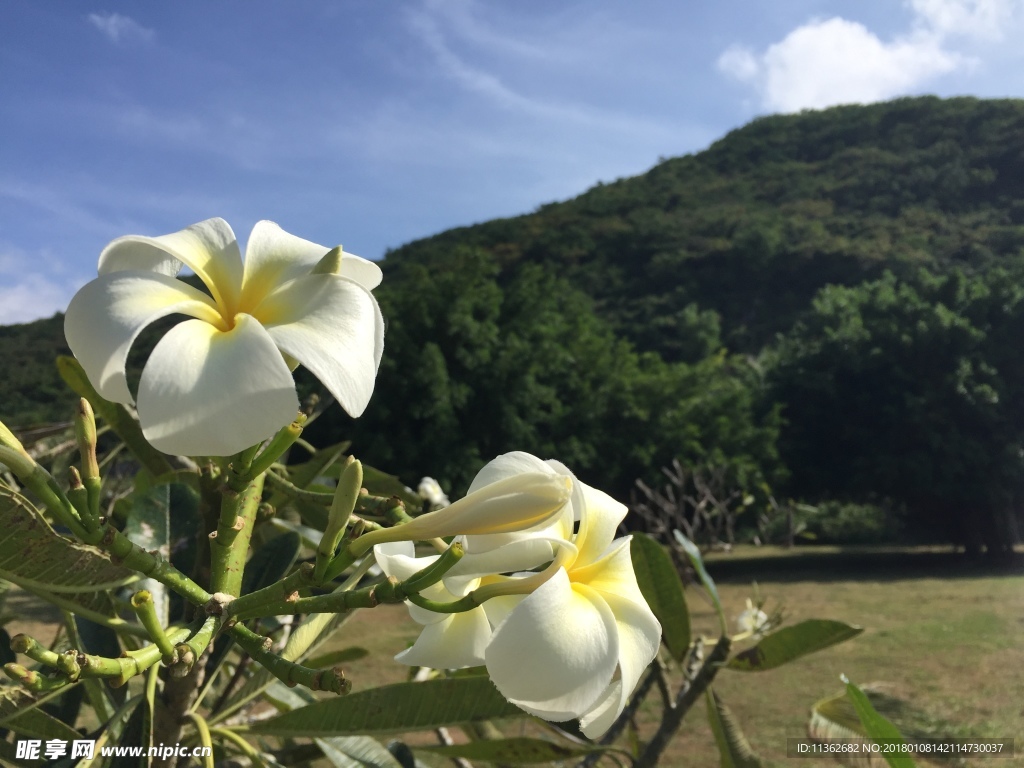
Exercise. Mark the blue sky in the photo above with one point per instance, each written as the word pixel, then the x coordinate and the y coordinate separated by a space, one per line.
pixel 371 123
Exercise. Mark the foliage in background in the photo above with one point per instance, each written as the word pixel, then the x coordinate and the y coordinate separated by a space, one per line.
pixel 637 323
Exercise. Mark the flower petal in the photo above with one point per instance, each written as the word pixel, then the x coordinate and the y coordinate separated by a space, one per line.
pixel 332 326
pixel 512 504
pixel 508 465
pixel 456 642
pixel 639 637
pixel 556 652
pixel 523 554
pixel 398 559
pixel 638 630
pixel 208 248
pixel 598 523
pixel 107 314
pixel 363 271
pixel 205 392
pixel 274 257
pixel 600 717
pixel 612 573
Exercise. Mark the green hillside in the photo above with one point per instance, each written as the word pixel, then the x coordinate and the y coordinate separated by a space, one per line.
pixel 753 226
pixel 828 304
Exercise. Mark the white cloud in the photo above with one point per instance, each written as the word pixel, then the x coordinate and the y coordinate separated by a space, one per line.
pixel 978 19
pixel 120 28
pixel 838 61
pixel 26 293
pixel 739 62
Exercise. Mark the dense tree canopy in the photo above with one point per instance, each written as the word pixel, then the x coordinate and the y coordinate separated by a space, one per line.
pixel 911 390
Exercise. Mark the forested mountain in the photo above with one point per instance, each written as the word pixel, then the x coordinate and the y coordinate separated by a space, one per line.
pixel 752 227
pixel 685 313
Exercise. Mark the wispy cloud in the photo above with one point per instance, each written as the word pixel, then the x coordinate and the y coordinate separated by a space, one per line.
pixel 29 286
pixel 837 61
pixel 438 25
pixel 120 28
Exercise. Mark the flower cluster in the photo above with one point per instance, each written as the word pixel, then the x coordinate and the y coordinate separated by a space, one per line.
pixel 568 640
pixel 548 598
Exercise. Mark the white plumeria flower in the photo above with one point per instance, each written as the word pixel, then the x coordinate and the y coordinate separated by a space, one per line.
pixel 430 490
pixel 448 640
pixel 753 620
pixel 568 642
pixel 221 382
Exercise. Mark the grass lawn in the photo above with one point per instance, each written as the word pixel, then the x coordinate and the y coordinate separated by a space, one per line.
pixel 940 632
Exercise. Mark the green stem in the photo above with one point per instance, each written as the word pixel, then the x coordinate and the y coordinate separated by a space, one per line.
pixel 229 544
pixel 301 578
pixel 142 602
pixel 42 484
pixel 188 652
pixel 278 444
pixel 131 555
pixel 288 672
pixel 335 602
pixel 283 598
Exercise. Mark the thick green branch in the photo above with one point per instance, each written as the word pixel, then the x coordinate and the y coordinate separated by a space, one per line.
pixel 229 544
pixel 288 672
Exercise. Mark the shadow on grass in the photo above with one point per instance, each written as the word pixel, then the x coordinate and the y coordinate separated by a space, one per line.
pixel 857 563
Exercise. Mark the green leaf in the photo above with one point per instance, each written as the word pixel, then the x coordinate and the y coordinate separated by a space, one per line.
pixel 19 712
pixel 733 746
pixel 309 537
pixel 663 589
pixel 147 523
pixel 271 561
pixel 790 643
pixel 356 752
pixel 705 578
pixel 301 475
pixel 35 557
pixel 878 728
pixel 112 730
pixel 514 750
pixel 382 484
pixel 337 657
pixel 396 708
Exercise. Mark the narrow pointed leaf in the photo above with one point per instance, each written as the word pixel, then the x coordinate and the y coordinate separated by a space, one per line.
pixel 337 657
pixel 19 712
pixel 34 556
pixel 356 752
pixel 302 475
pixel 396 708
pixel 381 483
pixel 271 562
pixel 705 578
pixel 878 728
pixel 663 589
pixel 514 751
pixel 148 525
pixel 733 747
pixel 790 643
